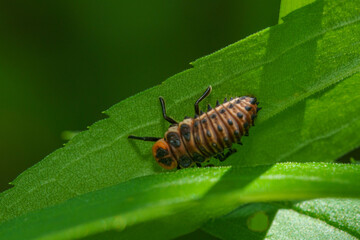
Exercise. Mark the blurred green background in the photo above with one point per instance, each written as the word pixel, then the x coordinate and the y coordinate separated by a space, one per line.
pixel 64 62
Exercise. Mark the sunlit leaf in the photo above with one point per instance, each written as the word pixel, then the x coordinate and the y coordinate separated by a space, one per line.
pixel 167 205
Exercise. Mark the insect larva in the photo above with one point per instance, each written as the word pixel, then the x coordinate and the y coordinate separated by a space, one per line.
pixel 195 140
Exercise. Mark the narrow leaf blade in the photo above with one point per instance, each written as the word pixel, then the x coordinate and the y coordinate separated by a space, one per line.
pixel 182 201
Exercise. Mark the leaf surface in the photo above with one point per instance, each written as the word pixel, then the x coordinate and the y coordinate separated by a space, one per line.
pixel 167 205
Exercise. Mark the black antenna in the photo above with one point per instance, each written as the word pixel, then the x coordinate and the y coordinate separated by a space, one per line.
pixel 149 139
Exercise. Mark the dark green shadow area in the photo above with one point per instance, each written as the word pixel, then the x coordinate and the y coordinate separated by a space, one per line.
pixel 235 179
pixel 196 235
pixel 301 67
pixel 158 229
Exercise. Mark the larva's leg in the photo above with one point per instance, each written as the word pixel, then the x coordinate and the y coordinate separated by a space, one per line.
pixel 205 94
pixel 222 157
pixel 230 152
pixel 167 118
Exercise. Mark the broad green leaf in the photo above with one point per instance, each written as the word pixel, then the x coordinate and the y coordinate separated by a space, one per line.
pixel 170 204
pixel 291 68
pixel 312 219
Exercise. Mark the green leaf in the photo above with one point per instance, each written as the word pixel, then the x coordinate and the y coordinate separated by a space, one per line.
pixel 292 68
pixel 170 204
pixel 312 219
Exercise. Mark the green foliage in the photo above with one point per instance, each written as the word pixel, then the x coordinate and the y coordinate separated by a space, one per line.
pixel 305 74
pixel 171 204
pixel 312 219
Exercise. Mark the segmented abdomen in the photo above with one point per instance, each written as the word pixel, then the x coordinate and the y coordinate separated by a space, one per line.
pixel 196 140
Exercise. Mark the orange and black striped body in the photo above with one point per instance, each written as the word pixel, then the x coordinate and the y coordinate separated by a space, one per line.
pixel 196 140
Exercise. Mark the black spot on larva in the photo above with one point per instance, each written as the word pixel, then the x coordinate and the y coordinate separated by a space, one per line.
pixel 253 101
pixel 231 99
pixel 230 122
pixel 166 161
pixel 226 139
pixel 186 117
pixel 209 107
pixel 240 115
pixel 236 133
pixel 184 161
pixel 196 123
pixel 246 124
pixel 198 158
pixel 217 103
pixel 225 100
pixel 174 139
pixel 253 117
pixel 185 131
pixel 214 145
pixel 160 152
pixel 242 98
pixel 258 109
pixel 247 108
pixel 208 133
pixel 222 110
pixel 204 120
pixel 219 128
pixel 213 116
pixel 196 116
pixel 238 101
pixel 230 106
pixel 201 112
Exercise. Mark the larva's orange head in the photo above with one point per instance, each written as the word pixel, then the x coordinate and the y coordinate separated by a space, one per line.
pixel 163 156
